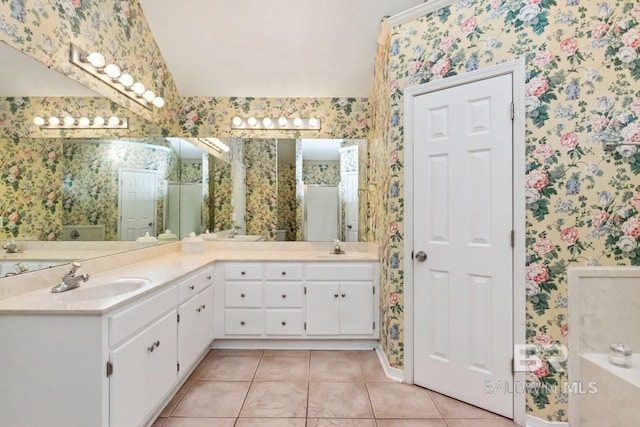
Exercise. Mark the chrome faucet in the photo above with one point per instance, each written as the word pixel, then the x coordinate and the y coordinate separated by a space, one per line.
pixel 234 231
pixel 11 247
pixel 70 280
pixel 337 250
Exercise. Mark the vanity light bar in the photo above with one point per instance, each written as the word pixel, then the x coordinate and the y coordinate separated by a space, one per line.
pixel 95 64
pixel 281 123
pixel 68 122
pixel 215 143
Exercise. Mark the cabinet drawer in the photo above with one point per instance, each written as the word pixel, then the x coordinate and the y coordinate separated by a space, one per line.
pixel 192 286
pixel 283 294
pixel 126 322
pixel 342 271
pixel 242 294
pixel 284 322
pixel 243 271
pixel 243 322
pixel 283 271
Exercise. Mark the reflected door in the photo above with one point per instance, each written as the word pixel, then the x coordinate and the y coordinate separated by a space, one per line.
pixel 351 206
pixel 463 282
pixel 136 203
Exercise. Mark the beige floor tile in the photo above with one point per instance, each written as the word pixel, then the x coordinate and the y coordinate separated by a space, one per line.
pixel 287 353
pixel 276 400
pixel 371 368
pixel 279 368
pixel 396 400
pixel 480 422
pixel 338 400
pixel 331 422
pixel 200 422
pixel 176 399
pixel 425 422
pixel 452 408
pixel 228 368
pixel 213 399
pixel 333 354
pixel 159 422
pixel 335 368
pixel 271 422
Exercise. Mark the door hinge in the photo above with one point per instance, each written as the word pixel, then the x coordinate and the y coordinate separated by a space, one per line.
pixel 178 367
pixel 513 367
pixel 305 290
pixel 374 290
pixel 109 369
pixel 178 316
pixel 374 326
pixel 513 110
pixel 305 326
pixel 513 238
pixel 411 254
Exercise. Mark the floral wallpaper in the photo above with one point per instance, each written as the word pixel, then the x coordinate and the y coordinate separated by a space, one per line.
pixel 287 199
pixel 221 192
pixel 260 160
pixel 90 192
pixel 321 172
pixel 31 188
pixel 582 61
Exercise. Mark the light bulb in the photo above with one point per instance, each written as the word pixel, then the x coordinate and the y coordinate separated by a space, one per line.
pixel 54 121
pixel 282 121
pixel 114 121
pixel 138 88
pixel 69 121
pixel 297 121
pixel 83 121
pixel 98 121
pixel 96 59
pixel 112 70
pixel 237 121
pixel 266 122
pixel 39 121
pixel 126 80
pixel 252 121
pixel 313 122
pixel 158 102
pixel 148 95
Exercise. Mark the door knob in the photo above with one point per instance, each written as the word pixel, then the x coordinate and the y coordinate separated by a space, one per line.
pixel 421 256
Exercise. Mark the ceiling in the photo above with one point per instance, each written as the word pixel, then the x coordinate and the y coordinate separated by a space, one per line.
pixel 244 48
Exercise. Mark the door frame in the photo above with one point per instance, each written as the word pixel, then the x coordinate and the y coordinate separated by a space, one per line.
pixel 121 201
pixel 517 69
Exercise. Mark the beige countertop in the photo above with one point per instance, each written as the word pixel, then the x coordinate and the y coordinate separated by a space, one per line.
pixel 163 266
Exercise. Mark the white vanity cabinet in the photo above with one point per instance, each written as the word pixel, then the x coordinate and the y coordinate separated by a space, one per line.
pixel 195 318
pixel 340 300
pixel 297 300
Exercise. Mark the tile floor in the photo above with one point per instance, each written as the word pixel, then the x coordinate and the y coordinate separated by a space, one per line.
pixel 315 388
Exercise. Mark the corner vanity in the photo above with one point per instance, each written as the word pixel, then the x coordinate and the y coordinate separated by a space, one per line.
pixel 114 351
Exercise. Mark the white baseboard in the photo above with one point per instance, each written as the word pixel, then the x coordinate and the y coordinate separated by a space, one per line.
pixel 539 422
pixel 391 373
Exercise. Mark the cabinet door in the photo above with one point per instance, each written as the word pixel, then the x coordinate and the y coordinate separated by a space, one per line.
pixel 144 368
pixel 356 308
pixel 189 340
pixel 323 308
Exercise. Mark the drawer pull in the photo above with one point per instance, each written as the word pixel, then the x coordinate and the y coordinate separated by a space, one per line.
pixel 344 295
pixel 242 322
pixel 204 306
pixel 150 349
pixel 284 323
pixel 199 309
pixel 284 295
pixel 157 343
pixel 243 273
pixel 209 277
pixel 241 295
pixel 284 273
pixel 192 287
pixel 153 346
pixel 335 295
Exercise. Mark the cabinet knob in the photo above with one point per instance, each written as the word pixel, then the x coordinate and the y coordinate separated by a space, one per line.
pixel 284 295
pixel 209 277
pixel 241 295
pixel 344 295
pixel 204 306
pixel 199 309
pixel 157 343
pixel 335 295
pixel 242 272
pixel 284 323
pixel 284 273
pixel 242 322
pixel 192 287
pixel 151 348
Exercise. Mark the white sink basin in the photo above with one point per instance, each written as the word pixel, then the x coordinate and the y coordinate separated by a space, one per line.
pixel 104 290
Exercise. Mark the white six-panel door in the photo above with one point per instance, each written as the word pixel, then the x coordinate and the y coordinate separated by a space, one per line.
pixel 463 220
pixel 137 202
